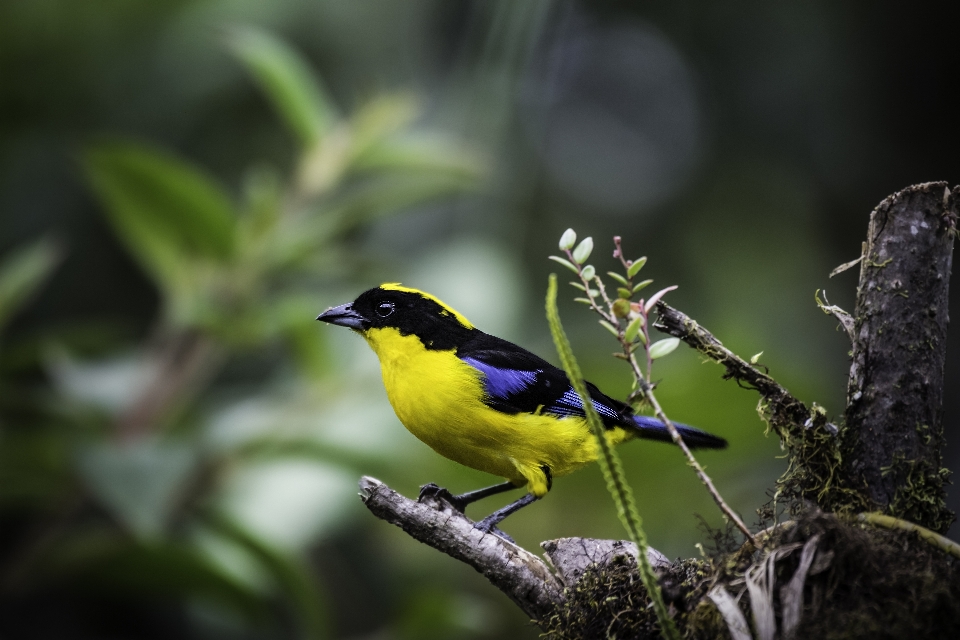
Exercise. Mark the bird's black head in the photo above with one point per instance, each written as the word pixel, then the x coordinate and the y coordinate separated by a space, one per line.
pixel 409 311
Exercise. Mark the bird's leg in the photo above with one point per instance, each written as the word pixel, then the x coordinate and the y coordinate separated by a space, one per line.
pixel 461 501
pixel 489 524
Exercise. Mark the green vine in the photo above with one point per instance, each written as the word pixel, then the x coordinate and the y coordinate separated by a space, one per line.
pixel 610 466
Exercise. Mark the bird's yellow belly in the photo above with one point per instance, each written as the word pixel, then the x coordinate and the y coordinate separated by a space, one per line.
pixel 439 399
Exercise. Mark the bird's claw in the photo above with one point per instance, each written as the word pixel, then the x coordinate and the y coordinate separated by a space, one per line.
pixel 432 490
pixel 494 529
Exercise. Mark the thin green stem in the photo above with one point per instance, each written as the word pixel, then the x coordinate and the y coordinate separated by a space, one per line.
pixel 610 466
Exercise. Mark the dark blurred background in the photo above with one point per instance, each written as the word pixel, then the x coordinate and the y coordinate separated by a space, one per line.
pixel 192 216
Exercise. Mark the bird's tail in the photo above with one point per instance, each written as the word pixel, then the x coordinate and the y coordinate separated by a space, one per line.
pixel 653 429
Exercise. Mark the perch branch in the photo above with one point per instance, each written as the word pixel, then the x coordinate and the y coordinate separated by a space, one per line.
pixel 785 411
pixel 522 576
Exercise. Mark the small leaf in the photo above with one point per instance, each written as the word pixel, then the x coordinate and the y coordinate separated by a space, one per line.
pixel 583 250
pixel 565 263
pixel 633 329
pixel 624 293
pixel 568 239
pixel 663 347
pixel 22 272
pixel 583 300
pixel 609 327
pixel 635 266
pixel 656 298
pixel 755 358
pixel 642 337
pixel 619 278
pixel 287 80
pixel 577 285
pixel 642 285
pixel 589 272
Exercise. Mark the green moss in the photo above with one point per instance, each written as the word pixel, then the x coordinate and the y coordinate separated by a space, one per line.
pixel 611 602
pixel 921 497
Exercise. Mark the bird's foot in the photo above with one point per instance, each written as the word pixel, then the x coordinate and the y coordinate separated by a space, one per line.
pixel 431 490
pixel 491 527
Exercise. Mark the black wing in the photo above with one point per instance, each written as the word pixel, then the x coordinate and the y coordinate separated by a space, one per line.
pixel 517 381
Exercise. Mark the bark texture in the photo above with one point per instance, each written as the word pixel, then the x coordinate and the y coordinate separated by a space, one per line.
pixel 893 437
pixel 522 576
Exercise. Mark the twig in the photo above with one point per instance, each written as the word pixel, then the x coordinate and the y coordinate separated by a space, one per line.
pixel 784 411
pixel 692 461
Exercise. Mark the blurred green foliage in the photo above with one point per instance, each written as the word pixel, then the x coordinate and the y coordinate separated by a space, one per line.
pixel 163 504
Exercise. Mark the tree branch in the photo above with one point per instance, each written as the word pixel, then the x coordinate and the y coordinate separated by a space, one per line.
pixel 783 411
pixel 522 576
pixel 518 573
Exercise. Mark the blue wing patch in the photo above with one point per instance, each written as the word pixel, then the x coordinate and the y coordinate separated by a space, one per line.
pixel 502 383
pixel 534 390
pixel 569 404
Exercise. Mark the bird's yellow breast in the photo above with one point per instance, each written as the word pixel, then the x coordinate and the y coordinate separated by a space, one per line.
pixel 439 399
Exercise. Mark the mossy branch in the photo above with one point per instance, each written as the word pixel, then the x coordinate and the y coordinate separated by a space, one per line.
pixel 889 522
pixel 782 411
pixel 610 465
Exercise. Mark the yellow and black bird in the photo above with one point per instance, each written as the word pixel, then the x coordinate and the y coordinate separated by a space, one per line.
pixel 485 402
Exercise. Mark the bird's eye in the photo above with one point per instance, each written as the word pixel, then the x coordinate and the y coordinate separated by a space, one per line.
pixel 384 309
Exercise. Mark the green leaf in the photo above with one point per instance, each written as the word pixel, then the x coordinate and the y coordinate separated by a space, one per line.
pixel 635 267
pixel 642 285
pixel 633 329
pixel 22 272
pixel 619 278
pixel 577 285
pixel 589 272
pixel 421 153
pixel 380 118
pixel 166 211
pixel 568 239
pixel 755 358
pixel 624 293
pixel 583 250
pixel 288 82
pixel 609 327
pixel 663 347
pixel 566 263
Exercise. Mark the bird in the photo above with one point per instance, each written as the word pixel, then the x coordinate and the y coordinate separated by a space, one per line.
pixel 484 402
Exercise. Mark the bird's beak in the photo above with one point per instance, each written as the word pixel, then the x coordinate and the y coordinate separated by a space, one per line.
pixel 345 316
